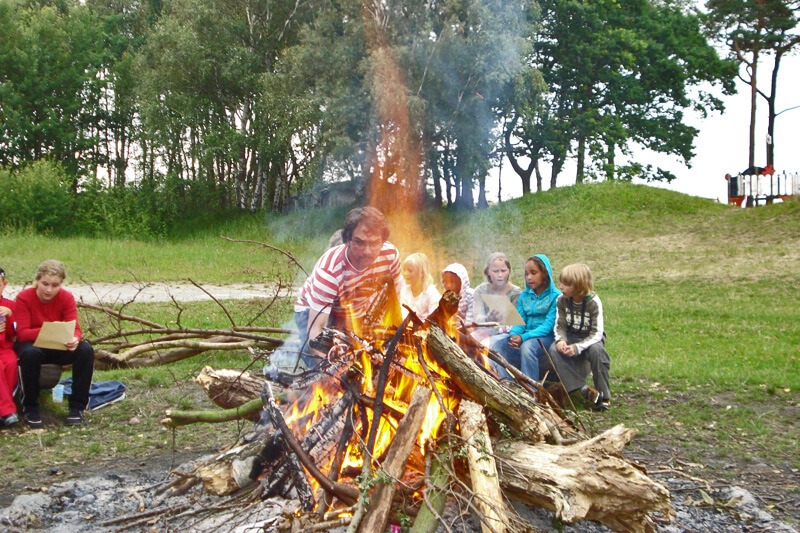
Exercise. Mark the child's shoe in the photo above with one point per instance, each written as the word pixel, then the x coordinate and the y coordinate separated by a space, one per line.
pixel 10 420
pixel 74 418
pixel 603 404
pixel 590 394
pixel 32 417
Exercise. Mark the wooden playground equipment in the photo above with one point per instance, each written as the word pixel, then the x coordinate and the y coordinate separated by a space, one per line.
pixel 758 187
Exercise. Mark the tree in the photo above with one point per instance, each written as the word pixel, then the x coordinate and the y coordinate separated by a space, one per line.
pixel 616 74
pixel 751 29
pixel 204 71
pixel 50 85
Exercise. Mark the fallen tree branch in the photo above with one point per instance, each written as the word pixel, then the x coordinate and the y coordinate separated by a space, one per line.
pixel 177 418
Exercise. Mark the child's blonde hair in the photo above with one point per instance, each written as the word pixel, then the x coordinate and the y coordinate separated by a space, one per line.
pixel 51 267
pixel 423 264
pixel 579 277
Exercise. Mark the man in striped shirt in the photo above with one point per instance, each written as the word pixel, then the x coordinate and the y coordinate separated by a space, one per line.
pixel 346 277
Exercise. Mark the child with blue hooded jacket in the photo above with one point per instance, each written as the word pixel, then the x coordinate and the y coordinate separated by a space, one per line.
pixel 537 306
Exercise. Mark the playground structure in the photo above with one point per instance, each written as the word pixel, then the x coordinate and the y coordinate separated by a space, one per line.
pixel 754 189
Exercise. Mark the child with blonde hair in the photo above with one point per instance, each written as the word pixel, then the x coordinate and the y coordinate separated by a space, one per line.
pixel 418 290
pixel 579 346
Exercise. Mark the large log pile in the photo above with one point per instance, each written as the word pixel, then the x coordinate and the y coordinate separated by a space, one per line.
pixel 495 442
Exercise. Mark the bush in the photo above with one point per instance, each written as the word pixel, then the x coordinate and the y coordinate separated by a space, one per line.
pixel 37 196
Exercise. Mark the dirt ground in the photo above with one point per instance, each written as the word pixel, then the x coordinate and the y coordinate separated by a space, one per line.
pixel 704 458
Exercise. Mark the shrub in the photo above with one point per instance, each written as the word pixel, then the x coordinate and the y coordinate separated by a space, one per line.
pixel 38 196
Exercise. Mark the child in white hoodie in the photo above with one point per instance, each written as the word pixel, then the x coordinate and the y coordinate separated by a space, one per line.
pixel 455 278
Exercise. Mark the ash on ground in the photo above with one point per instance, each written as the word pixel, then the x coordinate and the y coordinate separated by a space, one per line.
pixel 134 501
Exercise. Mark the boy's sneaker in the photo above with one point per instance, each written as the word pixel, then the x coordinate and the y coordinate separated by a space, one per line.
pixel 10 420
pixel 75 417
pixel 604 404
pixel 32 417
pixel 590 394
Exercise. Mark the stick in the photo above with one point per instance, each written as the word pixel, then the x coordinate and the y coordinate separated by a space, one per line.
pixel 269 246
pixel 381 387
pixel 184 418
pixel 434 495
pixel 569 398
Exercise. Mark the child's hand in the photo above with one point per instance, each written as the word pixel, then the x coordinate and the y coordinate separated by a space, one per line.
pixel 72 344
pixel 5 311
pixel 566 349
pixel 515 341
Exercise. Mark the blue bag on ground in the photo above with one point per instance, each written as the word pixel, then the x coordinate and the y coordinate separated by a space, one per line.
pixel 101 393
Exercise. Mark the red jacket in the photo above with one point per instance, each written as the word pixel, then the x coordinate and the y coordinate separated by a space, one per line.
pixel 31 313
pixel 7 340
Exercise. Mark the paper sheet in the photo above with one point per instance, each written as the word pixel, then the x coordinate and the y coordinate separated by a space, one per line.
pixel 507 310
pixel 55 335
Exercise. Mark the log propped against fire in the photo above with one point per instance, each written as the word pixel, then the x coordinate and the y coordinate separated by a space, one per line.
pixel 389 427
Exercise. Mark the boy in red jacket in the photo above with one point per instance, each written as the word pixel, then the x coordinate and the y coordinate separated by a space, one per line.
pixel 44 302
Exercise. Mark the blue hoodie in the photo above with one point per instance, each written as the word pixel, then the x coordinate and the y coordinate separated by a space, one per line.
pixel 537 310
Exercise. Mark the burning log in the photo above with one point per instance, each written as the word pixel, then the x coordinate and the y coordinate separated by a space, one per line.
pixel 297 456
pixel 514 407
pixel 377 517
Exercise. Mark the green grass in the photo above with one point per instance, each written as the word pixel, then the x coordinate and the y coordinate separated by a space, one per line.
pixel 700 302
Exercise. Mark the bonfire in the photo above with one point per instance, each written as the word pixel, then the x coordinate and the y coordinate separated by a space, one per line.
pixel 395 422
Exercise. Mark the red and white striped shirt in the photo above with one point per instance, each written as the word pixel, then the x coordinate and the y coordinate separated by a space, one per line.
pixel 335 278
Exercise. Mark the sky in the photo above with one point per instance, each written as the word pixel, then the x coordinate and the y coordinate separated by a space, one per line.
pixel 721 146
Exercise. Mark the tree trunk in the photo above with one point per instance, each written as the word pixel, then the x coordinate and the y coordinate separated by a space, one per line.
pixel 588 480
